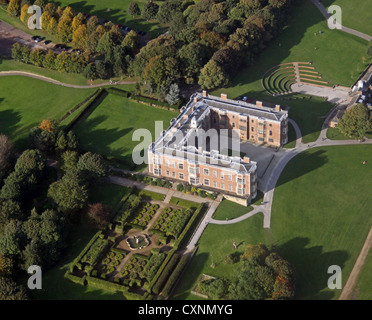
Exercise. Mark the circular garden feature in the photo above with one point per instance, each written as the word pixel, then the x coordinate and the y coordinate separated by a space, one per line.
pixel 138 242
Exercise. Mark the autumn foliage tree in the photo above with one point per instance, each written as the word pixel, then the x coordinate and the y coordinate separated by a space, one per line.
pixel 48 125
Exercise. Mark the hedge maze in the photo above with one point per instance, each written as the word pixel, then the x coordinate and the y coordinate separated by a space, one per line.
pixel 107 263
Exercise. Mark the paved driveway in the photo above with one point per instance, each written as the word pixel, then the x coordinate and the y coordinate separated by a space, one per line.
pixel 262 155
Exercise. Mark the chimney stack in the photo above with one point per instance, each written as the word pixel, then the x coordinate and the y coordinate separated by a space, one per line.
pixel 204 93
pixel 247 159
pixel 259 104
pixel 278 108
pixel 223 96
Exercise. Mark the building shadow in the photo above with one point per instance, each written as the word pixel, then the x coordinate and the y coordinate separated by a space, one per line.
pixel 190 276
pixel 307 161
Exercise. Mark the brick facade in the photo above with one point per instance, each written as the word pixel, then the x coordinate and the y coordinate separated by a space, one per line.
pixel 187 162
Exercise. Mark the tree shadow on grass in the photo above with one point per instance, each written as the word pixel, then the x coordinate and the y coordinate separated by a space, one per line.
pixel 9 123
pixel 116 16
pixel 99 140
pixel 190 276
pixel 312 265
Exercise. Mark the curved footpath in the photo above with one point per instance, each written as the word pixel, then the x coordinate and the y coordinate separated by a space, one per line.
pixel 50 80
pixel 326 15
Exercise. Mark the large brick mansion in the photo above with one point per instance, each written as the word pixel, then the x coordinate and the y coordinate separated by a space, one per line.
pixel 183 153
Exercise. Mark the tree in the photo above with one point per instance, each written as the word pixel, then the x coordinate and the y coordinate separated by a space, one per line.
pixel 105 44
pixel 9 209
pixel 77 21
pixel 193 58
pixel 64 28
pixel 72 141
pixel 49 60
pixel 40 3
pixel 31 161
pixel 7 156
pixel 173 95
pixel 45 20
pixel 37 57
pixel 11 189
pixel 355 122
pixel 212 76
pixel 17 51
pixel 51 8
pixel 6 266
pixel 168 10
pixel 90 71
pixel 24 14
pixel 132 42
pixel 134 9
pixel 92 166
pixel 149 10
pixel 80 36
pixel 10 290
pixel 61 141
pixel 98 215
pixel 259 252
pixel 69 193
pixel 69 160
pixel 26 51
pixel 92 24
pixel 14 7
pixel 52 26
pixel 162 71
pixel 43 140
pixel 103 70
pixel 177 24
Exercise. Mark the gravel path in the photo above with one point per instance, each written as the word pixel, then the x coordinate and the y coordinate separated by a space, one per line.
pixel 50 80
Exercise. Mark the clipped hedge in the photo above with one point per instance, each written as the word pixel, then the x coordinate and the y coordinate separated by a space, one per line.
pixel 165 274
pixel 85 250
pixel 75 279
pixel 112 287
pixel 155 103
pixel 118 92
pixel 120 204
pixel 183 203
pixel 100 94
pixel 68 113
pixel 184 236
pixel 175 275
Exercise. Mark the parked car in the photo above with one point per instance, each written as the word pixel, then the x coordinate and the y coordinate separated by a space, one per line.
pixel 37 38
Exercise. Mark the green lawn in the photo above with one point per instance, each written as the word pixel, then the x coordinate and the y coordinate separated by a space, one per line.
pixel 214 245
pixel 335 134
pixel 25 102
pixel 338 58
pixel 354 16
pixel 230 210
pixel 55 286
pixel 109 129
pixel 320 217
pixel 321 214
pixel 291 137
pixel 116 14
pixel 363 288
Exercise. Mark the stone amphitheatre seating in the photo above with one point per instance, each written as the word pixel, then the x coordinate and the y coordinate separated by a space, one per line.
pixel 279 79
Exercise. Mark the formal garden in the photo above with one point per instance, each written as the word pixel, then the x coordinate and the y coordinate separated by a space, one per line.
pixel 140 249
